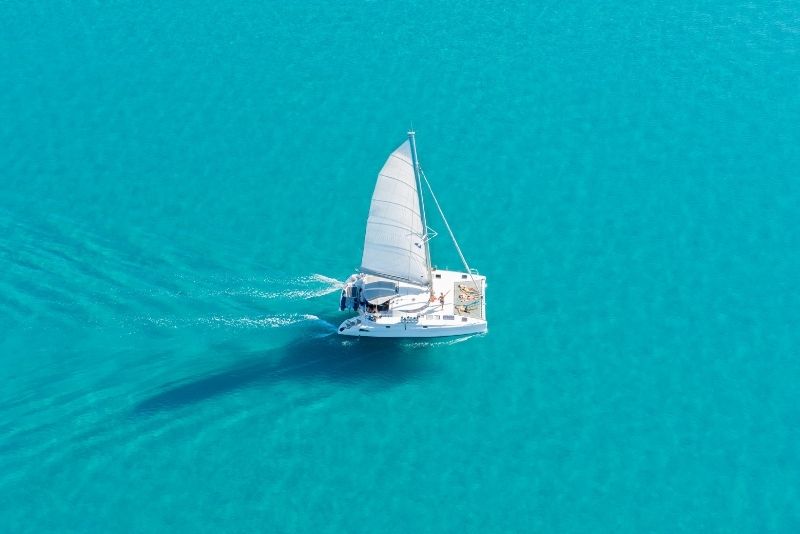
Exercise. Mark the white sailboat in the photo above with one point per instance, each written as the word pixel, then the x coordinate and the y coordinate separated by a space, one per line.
pixel 397 292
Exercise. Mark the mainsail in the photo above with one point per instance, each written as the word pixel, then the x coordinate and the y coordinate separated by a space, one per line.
pixel 394 245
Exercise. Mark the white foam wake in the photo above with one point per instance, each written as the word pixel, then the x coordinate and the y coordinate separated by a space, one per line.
pixel 268 321
pixel 329 285
pixel 222 321
pixel 302 287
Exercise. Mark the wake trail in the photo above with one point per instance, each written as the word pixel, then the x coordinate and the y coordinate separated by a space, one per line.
pixel 284 290
pixel 299 288
pixel 241 322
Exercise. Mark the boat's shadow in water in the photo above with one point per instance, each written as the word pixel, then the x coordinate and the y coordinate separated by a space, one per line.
pixel 375 363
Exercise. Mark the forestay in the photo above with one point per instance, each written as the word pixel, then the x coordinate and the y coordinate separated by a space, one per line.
pixel 394 243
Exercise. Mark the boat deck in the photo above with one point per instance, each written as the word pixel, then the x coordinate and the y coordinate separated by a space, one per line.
pixel 462 296
pixel 457 307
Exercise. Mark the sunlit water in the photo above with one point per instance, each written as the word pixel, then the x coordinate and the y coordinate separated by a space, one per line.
pixel 181 187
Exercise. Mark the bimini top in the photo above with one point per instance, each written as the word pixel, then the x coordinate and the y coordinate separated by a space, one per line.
pixel 394 244
pixel 378 291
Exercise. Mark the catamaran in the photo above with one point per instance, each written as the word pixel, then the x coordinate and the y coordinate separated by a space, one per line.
pixel 397 292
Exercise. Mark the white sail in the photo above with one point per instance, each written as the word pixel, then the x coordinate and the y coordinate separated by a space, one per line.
pixel 394 245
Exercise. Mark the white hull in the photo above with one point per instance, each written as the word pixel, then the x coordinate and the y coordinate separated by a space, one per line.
pixel 403 330
pixel 413 314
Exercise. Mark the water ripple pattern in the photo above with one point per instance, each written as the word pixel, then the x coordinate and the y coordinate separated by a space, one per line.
pixel 183 186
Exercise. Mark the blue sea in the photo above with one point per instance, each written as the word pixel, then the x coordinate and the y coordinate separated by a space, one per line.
pixel 183 185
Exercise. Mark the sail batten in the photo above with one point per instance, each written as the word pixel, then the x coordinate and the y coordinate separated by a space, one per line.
pixel 394 244
pixel 396 204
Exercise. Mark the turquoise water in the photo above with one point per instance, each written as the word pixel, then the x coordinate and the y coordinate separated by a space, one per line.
pixel 182 185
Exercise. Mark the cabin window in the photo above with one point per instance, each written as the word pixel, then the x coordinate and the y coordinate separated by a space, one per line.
pixel 424 326
pixel 463 319
pixel 448 317
pixel 438 276
pixel 464 276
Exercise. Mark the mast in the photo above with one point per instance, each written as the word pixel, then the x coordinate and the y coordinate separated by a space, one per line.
pixel 415 164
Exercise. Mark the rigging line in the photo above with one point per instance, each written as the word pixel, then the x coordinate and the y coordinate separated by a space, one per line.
pixel 446 225
pixel 418 182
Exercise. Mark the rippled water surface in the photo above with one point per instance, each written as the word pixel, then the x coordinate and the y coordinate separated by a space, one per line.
pixel 182 186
